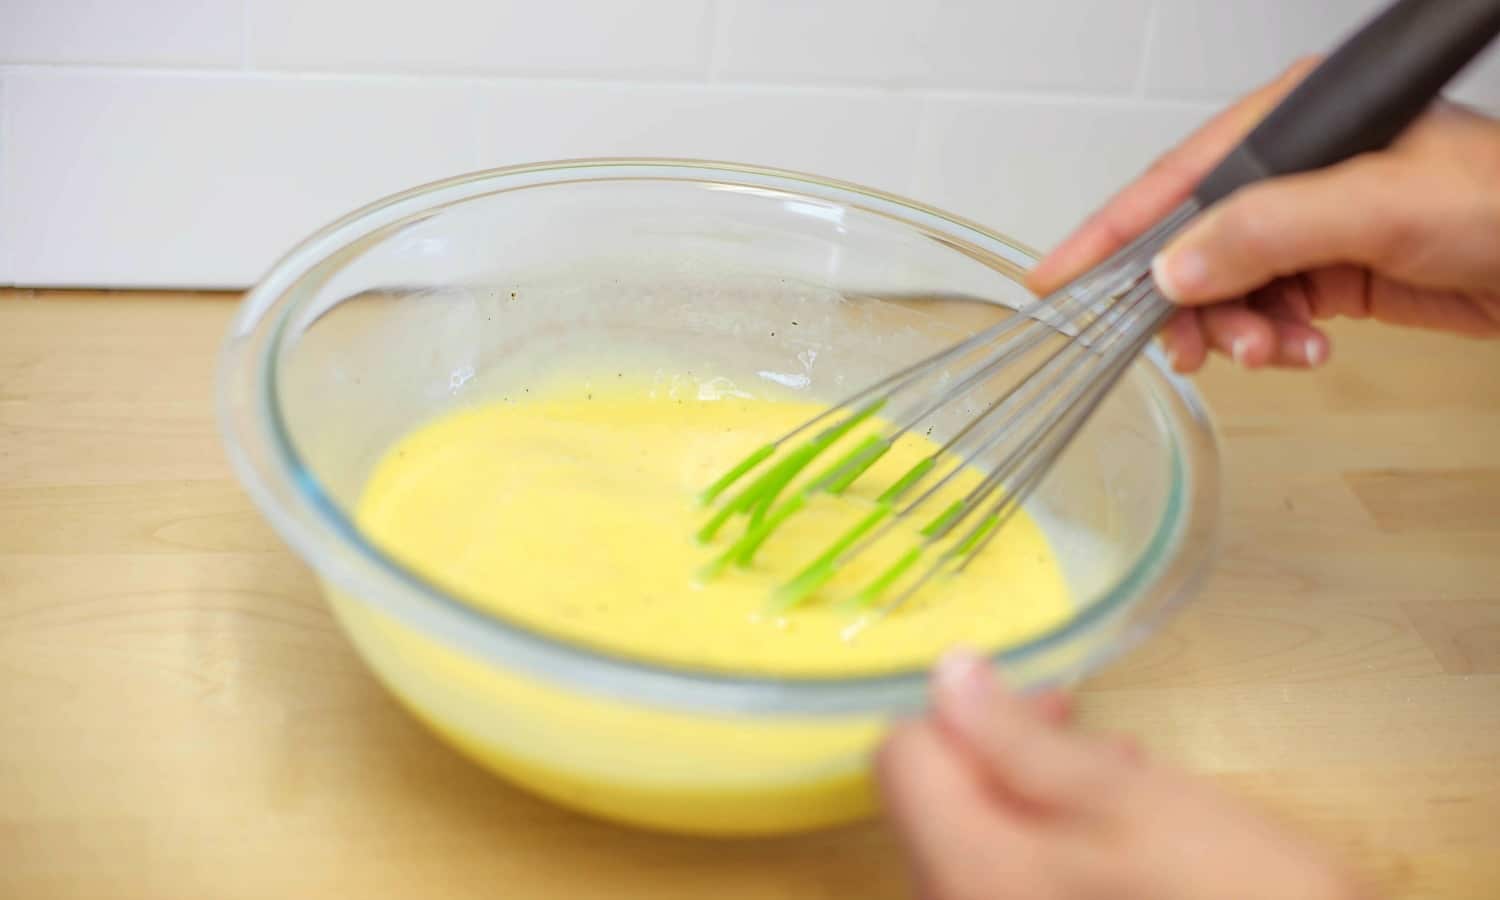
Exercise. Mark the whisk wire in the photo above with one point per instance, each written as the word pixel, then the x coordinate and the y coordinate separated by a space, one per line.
pixel 759 495
pixel 866 533
pixel 1104 318
pixel 999 405
pixel 1077 409
pixel 960 511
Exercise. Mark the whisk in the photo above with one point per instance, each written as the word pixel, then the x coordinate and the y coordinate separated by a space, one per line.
pixel 1359 99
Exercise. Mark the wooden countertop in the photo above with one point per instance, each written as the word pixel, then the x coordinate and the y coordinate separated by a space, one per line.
pixel 180 718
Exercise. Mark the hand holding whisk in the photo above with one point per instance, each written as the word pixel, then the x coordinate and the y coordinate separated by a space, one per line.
pixel 1043 371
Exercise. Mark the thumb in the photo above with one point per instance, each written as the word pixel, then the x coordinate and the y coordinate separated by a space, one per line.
pixel 1355 212
pixel 1021 754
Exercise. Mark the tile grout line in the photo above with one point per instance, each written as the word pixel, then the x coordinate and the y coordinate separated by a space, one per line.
pixel 831 89
pixel 922 140
pixel 7 202
pixel 477 149
pixel 1148 46
pixel 245 64
pixel 718 38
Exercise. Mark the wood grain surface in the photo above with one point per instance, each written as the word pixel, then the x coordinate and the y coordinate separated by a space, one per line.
pixel 180 717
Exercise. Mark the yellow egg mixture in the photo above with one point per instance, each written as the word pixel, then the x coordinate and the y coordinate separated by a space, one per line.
pixel 573 509
pixel 575 512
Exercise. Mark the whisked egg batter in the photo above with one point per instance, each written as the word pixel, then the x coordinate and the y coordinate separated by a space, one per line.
pixel 572 510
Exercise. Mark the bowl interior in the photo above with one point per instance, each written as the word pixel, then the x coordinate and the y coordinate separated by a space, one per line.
pixel 765 284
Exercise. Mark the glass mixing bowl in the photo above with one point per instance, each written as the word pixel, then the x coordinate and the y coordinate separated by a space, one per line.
pixel 448 294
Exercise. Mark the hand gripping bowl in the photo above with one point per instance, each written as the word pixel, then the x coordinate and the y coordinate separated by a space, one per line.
pixel 444 295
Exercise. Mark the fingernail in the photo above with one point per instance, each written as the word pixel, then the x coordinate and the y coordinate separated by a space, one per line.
pixel 1312 351
pixel 1171 353
pixel 1240 350
pixel 965 686
pixel 1179 273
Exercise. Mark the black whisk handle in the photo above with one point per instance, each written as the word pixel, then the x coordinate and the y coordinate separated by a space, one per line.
pixel 1363 95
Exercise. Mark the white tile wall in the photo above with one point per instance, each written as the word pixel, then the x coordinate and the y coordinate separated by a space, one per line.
pixel 598 38
pixel 188 142
pixel 1480 83
pixel 150 32
pixel 1032 169
pixel 7 268
pixel 150 179
pixel 1092 45
pixel 1216 50
pixel 1189 58
pixel 858 136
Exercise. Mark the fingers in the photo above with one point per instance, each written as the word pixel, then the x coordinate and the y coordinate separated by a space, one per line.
pixel 1298 346
pixel 1354 292
pixel 1052 707
pixel 1338 291
pixel 1021 755
pixel 1287 306
pixel 1166 184
pixel 1183 339
pixel 1253 340
pixel 1272 329
pixel 954 834
pixel 1246 336
pixel 1128 749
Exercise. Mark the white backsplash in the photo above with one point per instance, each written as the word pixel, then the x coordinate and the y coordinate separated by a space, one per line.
pixel 188 142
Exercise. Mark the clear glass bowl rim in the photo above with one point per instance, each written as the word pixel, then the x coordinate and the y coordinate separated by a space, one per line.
pixel 265 459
